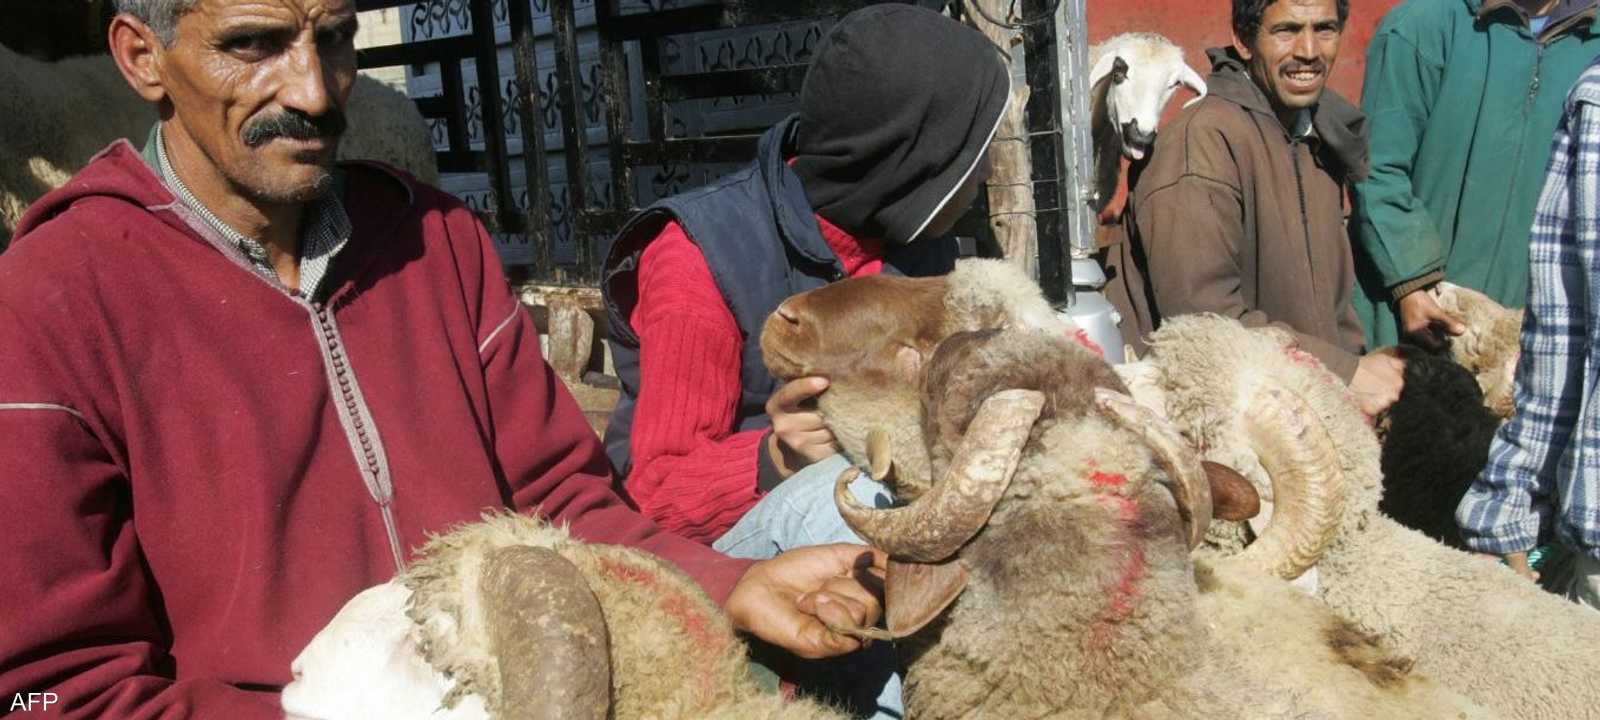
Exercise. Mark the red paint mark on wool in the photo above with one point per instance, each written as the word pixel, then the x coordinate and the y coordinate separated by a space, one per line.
pixel 1126 592
pixel 1301 357
pixel 696 624
pixel 629 573
pixel 1108 480
pixel 701 631
pixel 1082 337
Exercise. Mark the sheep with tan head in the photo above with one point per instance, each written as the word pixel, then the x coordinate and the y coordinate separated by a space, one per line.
pixel 1042 566
pixel 513 618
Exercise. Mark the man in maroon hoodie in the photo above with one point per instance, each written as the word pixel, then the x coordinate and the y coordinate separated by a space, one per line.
pixel 240 382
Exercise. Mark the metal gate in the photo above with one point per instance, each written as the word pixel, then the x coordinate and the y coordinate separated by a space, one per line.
pixel 630 100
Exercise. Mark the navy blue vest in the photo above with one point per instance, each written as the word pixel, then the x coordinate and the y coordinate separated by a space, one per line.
pixel 761 241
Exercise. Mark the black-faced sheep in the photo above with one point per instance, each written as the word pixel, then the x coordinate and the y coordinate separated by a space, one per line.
pixel 1132 77
pixel 1435 442
pixel 1466 620
pixel 512 618
pixel 1047 571
pixel 47 135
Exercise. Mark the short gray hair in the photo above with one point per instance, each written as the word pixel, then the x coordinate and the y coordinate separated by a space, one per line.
pixel 160 15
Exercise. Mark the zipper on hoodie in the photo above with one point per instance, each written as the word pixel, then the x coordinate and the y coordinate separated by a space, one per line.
pixel 1300 189
pixel 1527 110
pixel 358 425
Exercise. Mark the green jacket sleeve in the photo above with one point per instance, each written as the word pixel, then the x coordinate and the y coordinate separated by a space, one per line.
pixel 1393 229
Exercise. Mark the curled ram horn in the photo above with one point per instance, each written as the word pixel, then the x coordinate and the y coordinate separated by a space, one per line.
pixel 937 524
pixel 1143 380
pixel 1308 490
pixel 538 607
pixel 1186 477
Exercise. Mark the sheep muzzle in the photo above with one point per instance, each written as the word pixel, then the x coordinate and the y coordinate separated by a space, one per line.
pixel 936 525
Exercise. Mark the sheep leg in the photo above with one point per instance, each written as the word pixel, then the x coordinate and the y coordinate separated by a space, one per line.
pixel 546 627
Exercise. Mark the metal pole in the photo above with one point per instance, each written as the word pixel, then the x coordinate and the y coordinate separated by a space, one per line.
pixel 1072 48
pixel 1086 304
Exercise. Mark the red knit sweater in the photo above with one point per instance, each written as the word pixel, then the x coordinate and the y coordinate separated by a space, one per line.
pixel 692 473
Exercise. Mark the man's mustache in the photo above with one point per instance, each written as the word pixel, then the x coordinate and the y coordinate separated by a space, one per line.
pixel 295 126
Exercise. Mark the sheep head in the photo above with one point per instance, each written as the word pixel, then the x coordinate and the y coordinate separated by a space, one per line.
pixel 1253 400
pixel 999 409
pixel 1490 347
pixel 871 338
pixel 1140 72
pixel 512 617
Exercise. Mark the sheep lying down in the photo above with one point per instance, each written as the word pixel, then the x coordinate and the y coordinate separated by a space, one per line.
pixel 512 618
pixel 1041 565
pixel 1470 622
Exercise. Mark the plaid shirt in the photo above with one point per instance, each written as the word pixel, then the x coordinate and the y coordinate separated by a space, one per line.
pixel 1544 465
pixel 323 232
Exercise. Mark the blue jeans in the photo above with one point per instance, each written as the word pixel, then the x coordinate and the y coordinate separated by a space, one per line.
pixel 800 512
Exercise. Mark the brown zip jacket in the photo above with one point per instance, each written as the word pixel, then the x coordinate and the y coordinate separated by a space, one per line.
pixel 1232 216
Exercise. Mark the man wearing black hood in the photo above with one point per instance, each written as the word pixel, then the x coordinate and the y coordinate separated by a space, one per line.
pixel 1241 209
pixel 889 147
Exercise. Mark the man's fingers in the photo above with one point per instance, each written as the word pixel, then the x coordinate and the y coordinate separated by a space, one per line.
pixel 1426 336
pixel 811 440
pixel 837 608
pixel 860 601
pixel 827 609
pixel 789 398
pixel 793 425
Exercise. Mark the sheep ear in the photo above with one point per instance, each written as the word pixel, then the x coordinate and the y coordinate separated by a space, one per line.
pixel 1103 68
pixel 1119 71
pixel 915 594
pixel 1192 79
pixel 908 361
pixel 1232 496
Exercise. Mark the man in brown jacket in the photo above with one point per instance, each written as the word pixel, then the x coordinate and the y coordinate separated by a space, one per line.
pixel 1241 209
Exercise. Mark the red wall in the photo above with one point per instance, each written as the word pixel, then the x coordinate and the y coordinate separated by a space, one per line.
pixel 1199 24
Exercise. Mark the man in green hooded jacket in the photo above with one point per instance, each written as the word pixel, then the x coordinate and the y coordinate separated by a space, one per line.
pixel 1463 98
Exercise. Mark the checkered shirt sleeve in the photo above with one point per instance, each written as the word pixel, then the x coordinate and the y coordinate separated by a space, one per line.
pixel 1538 460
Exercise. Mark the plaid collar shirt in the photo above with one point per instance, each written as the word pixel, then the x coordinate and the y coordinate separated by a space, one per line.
pixel 1544 465
pixel 324 231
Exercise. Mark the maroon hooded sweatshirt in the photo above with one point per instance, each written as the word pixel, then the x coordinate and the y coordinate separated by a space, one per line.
pixel 186 449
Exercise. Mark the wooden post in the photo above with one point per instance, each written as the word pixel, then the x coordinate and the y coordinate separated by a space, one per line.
pixel 570 329
pixel 571 339
pixel 1011 208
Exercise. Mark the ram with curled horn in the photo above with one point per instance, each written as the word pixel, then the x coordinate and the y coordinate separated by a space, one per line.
pixel 1041 562
pixel 1474 624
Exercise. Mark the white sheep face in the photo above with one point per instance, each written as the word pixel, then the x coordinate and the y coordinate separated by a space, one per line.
pixel 365 664
pixel 1145 70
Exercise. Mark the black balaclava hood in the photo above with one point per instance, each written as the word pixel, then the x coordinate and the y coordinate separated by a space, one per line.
pixel 896 110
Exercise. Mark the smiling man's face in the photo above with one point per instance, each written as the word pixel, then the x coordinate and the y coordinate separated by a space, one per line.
pixel 259 87
pixel 1293 52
